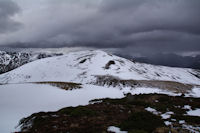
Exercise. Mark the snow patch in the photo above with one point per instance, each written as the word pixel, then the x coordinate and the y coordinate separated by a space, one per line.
pixel 115 130
pixel 155 112
pixel 195 92
pixel 181 121
pixel 167 123
pixel 187 107
pixel 167 115
pixel 195 112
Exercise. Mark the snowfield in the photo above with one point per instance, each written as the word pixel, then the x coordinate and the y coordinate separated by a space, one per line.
pixel 21 100
pixel 20 97
pixel 82 67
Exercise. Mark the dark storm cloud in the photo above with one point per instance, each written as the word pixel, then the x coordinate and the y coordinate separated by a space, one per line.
pixel 7 9
pixel 137 25
pixel 143 15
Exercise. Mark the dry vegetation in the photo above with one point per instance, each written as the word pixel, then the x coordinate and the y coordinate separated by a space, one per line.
pixel 166 85
pixel 63 85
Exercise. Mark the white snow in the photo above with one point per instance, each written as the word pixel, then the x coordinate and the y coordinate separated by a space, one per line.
pixel 167 123
pixel 21 100
pixel 195 112
pixel 187 107
pixel 115 130
pixel 173 119
pixel 152 110
pixel 195 92
pixel 192 129
pixel 68 68
pixel 181 121
pixel 167 115
pixel 4 58
pixel 191 112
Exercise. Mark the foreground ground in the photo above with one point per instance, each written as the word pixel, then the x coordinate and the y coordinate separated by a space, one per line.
pixel 135 113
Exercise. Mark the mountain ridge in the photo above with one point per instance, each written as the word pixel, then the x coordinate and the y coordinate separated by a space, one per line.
pixel 84 66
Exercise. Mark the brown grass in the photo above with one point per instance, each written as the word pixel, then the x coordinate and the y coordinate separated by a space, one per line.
pixel 165 85
pixel 62 85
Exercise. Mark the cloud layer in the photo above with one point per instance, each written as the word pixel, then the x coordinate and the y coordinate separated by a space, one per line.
pixel 7 10
pixel 131 25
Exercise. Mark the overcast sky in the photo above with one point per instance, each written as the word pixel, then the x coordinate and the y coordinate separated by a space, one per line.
pixel 143 26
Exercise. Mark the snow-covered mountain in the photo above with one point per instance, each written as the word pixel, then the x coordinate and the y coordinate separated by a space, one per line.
pixel 100 75
pixel 87 66
pixel 12 60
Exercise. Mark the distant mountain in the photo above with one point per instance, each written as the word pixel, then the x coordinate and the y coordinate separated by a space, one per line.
pixel 12 60
pixel 172 60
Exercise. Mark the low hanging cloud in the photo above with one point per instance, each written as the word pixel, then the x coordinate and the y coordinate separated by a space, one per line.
pixel 131 25
pixel 8 9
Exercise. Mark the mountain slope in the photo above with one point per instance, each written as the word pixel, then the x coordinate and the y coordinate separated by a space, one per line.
pixel 12 60
pixel 86 66
pixel 39 82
